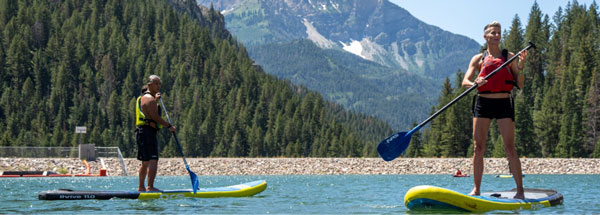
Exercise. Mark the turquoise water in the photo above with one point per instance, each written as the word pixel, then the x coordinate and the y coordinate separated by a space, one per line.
pixel 303 194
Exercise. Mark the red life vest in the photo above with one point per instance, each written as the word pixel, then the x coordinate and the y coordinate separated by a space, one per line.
pixel 501 82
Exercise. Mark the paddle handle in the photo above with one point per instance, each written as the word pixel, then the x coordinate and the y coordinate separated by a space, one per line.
pixel 174 135
pixel 531 45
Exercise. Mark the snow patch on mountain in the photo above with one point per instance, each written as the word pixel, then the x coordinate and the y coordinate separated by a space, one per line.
pixel 336 6
pixel 367 49
pixel 226 11
pixel 354 47
pixel 323 7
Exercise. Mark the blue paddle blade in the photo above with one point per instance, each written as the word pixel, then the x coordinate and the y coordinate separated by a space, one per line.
pixel 195 182
pixel 393 146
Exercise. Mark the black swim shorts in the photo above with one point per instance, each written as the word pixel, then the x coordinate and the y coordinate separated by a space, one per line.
pixel 147 144
pixel 493 108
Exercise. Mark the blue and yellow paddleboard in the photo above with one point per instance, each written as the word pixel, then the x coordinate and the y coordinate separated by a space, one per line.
pixel 431 198
pixel 240 190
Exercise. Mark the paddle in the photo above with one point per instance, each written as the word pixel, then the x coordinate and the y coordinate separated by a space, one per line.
pixel 394 145
pixel 193 176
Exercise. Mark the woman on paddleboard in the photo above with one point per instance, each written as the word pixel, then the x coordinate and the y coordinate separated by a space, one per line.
pixel 494 101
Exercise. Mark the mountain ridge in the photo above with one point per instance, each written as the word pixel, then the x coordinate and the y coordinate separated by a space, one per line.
pixel 389 34
pixel 376 31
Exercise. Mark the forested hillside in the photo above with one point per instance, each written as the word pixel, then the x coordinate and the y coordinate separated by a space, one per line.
pixel 558 110
pixel 394 96
pixel 70 63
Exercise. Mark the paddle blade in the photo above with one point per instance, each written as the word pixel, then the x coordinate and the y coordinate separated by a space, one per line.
pixel 393 146
pixel 194 178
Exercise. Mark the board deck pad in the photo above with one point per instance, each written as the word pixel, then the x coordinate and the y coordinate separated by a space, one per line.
pixel 529 194
pixel 240 190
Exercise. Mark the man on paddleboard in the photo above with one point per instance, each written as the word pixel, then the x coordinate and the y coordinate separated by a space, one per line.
pixel 148 122
pixel 494 101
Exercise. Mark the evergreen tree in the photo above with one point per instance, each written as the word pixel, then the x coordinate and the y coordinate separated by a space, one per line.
pixel 591 116
pixel 8 10
pixel 523 118
pixel 435 135
pixel 415 147
pixel 597 150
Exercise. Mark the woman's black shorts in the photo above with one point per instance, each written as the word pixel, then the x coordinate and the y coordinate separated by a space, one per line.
pixel 493 108
pixel 147 144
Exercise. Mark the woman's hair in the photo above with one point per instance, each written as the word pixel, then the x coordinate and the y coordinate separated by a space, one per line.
pixel 493 24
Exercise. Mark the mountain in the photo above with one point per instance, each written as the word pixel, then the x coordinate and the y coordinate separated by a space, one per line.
pixel 365 42
pixel 376 30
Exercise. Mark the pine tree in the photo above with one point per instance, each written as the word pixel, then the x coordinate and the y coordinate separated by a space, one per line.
pixel 497 147
pixel 563 149
pixel 597 150
pixel 415 146
pixel 523 117
pixel 437 143
pixel 591 115
pixel 18 61
pixel 8 10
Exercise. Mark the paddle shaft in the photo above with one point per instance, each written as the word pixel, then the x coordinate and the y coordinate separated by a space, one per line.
pixel 470 89
pixel 174 135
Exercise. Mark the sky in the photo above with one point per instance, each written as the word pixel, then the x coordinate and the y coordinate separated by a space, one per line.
pixel 468 17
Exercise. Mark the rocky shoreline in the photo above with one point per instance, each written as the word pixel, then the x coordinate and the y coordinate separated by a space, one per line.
pixel 304 166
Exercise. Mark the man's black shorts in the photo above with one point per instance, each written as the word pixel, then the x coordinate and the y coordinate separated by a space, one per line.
pixel 493 108
pixel 147 144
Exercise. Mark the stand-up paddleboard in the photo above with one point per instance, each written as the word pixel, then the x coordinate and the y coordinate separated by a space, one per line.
pixel 240 190
pixel 431 198
pixel 16 174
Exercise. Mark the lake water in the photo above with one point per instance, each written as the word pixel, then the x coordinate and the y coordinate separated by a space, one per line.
pixel 297 194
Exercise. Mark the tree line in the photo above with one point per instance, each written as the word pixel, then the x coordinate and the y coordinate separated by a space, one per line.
pixel 558 109
pixel 69 63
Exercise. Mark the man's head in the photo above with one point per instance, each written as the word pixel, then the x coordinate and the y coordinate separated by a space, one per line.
pixel 153 83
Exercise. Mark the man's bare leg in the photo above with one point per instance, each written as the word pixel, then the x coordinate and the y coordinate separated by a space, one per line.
pixel 142 176
pixel 152 169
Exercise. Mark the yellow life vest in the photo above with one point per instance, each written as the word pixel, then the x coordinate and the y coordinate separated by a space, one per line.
pixel 140 118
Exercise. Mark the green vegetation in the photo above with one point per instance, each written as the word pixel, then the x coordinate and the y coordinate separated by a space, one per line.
pixel 62 170
pixel 557 111
pixel 74 63
pixel 394 96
